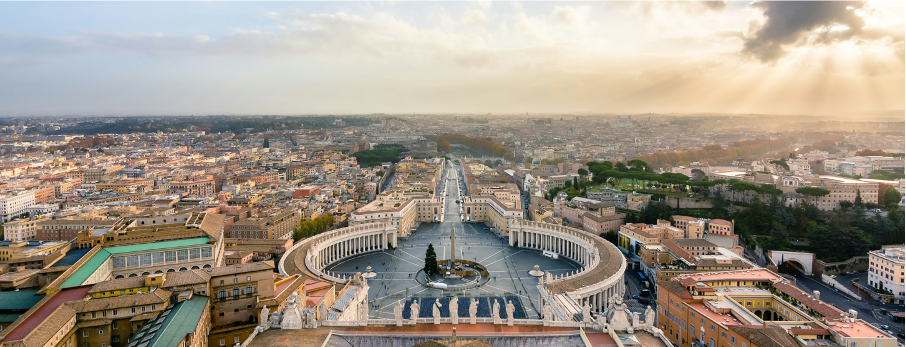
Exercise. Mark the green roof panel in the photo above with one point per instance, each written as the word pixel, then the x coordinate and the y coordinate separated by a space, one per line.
pixel 85 271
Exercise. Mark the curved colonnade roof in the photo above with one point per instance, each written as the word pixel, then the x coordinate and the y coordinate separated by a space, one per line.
pixel 610 264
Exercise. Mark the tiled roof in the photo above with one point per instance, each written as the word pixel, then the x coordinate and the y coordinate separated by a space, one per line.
pixel 182 278
pixel 239 268
pixel 765 336
pixel 155 297
pixel 829 312
pixel 118 284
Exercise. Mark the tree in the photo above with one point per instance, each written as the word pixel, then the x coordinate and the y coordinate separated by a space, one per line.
pixel 621 167
pixel 858 201
pixel 891 198
pixel 431 261
pixel 380 173
pixel 583 172
pixel 846 204
pixel 610 236
pixel 816 192
pixel 638 164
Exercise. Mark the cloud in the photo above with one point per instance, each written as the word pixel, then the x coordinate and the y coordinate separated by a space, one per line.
pixel 799 23
pixel 474 17
pixel 272 15
pixel 651 9
pixel 483 4
pixel 567 15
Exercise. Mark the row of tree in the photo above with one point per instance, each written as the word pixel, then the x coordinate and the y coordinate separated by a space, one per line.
pixel 313 227
pixel 479 144
pixel 718 154
pixel 381 153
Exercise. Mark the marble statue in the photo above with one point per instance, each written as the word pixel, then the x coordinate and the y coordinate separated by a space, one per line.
pixel 510 309
pixel 495 312
pixel 586 313
pixel 454 310
pixel 473 310
pixel 263 317
pixel 649 317
pixel 291 317
pixel 435 311
pixel 413 311
pixel 274 320
pixel 609 304
pixel 618 319
pixel 547 313
pixel 398 313
pixel 357 279
pixel 635 320
pixel 312 318
pixel 363 310
pixel 322 312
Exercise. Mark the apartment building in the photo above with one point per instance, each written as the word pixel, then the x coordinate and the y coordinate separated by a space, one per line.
pixel 754 308
pixel 69 229
pixel 15 204
pixel 205 187
pixel 273 223
pixel 886 270
pixel 401 212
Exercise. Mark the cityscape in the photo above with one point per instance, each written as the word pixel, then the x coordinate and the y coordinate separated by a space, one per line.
pixel 694 174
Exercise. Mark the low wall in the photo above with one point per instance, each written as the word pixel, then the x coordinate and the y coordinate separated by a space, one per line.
pixel 858 263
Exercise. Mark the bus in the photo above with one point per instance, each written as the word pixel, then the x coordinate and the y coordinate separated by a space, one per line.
pixel 641 276
pixel 551 255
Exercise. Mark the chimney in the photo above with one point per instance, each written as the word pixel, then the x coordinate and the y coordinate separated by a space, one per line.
pixel 817 294
pixel 454 334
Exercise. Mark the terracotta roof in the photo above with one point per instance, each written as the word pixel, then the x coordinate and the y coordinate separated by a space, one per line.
pixel 720 222
pixel 118 284
pixel 674 287
pixel 679 251
pixel 829 312
pixel 799 331
pixel 182 278
pixel 155 297
pixel 693 243
pixel 765 336
pixel 239 268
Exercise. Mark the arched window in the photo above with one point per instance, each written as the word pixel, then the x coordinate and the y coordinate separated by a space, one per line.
pixel 222 293
pixel 236 291
pixel 248 289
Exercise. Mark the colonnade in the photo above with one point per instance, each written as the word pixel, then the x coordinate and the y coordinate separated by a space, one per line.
pixel 349 247
pixel 563 245
pixel 589 250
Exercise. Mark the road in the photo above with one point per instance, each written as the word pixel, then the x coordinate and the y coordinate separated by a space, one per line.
pixel 867 309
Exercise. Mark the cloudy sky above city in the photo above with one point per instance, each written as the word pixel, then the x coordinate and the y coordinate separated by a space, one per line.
pixel 63 58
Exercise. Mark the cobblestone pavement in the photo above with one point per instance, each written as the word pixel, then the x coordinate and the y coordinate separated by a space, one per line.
pixel 396 268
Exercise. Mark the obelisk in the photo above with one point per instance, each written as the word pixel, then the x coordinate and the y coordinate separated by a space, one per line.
pixel 452 249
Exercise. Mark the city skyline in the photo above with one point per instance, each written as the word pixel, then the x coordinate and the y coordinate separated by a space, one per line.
pixel 836 58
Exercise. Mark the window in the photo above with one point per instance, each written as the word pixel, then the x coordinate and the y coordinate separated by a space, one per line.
pixel 248 289
pixel 222 343
pixel 85 344
pixel 100 332
pixel 222 293
pixel 153 307
pixel 116 338
pixel 235 291
pixel 712 327
pixel 114 313
pixel 94 315
pixel 235 280
pixel 733 339
pixel 221 314
pixel 116 326
pixel 85 333
pixel 133 310
pixel 723 334
pixel 236 339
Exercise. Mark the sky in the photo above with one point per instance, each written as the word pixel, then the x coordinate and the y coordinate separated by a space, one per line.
pixel 203 58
